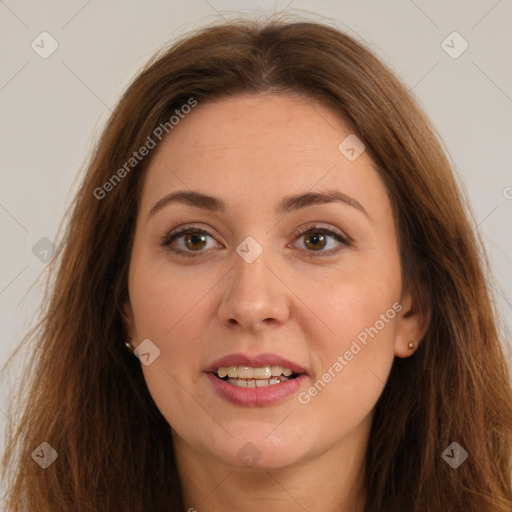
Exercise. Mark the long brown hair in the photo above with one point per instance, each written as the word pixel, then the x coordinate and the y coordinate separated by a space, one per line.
pixel 85 395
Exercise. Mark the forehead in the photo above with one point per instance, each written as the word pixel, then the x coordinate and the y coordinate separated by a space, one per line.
pixel 264 145
pixel 279 122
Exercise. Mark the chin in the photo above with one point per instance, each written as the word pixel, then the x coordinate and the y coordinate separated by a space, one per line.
pixel 257 452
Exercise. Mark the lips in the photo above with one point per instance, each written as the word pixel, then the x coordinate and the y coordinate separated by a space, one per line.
pixel 258 396
pixel 240 379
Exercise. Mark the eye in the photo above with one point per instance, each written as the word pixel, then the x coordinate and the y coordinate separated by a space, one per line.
pixel 194 240
pixel 316 239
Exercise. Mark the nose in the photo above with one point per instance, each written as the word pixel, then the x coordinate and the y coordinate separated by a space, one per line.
pixel 255 295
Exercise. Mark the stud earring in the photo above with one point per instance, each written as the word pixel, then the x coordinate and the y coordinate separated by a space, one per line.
pixel 410 345
pixel 128 345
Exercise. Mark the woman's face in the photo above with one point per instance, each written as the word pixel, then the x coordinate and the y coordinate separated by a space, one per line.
pixel 278 279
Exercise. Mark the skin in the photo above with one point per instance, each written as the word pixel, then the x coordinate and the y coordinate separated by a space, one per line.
pixel 251 151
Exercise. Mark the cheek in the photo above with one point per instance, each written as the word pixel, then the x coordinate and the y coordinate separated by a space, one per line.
pixel 356 299
pixel 170 312
pixel 344 395
pixel 355 357
pixel 170 305
pixel 173 311
pixel 355 366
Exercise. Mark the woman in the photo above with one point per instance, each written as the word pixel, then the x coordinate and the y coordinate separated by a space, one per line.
pixel 270 227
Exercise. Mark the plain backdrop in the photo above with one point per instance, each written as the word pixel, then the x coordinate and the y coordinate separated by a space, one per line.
pixel 53 108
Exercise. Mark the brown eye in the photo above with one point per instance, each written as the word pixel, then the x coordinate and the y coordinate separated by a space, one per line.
pixel 194 240
pixel 188 241
pixel 315 241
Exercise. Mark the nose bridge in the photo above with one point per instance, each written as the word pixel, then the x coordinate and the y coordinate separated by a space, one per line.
pixel 254 294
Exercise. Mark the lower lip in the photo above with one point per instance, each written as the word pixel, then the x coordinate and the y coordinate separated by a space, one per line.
pixel 256 397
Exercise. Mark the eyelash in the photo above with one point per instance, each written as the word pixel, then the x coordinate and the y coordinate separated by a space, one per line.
pixel 170 237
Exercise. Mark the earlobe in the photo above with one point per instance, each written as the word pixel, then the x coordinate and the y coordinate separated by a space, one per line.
pixel 412 324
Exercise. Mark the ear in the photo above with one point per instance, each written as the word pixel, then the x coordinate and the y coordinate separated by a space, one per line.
pixel 412 324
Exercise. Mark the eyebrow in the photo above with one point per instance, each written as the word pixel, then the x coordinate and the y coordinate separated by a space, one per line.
pixel 287 204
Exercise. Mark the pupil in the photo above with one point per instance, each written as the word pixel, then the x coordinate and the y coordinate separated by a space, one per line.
pixel 316 238
pixel 195 238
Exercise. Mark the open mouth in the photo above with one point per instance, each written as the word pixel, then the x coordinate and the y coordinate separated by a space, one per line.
pixel 248 377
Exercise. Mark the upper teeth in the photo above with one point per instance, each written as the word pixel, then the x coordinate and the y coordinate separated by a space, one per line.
pixel 247 372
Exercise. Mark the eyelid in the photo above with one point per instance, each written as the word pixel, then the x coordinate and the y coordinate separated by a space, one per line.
pixel 321 226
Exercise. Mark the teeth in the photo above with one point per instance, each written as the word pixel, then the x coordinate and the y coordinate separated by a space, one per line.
pixel 257 383
pixel 222 372
pixel 276 371
pixel 246 372
pixel 262 373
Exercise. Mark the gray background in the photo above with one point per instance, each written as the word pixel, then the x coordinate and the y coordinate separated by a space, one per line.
pixel 53 109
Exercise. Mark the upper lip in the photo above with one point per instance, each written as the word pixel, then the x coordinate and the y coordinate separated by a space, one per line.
pixel 254 361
